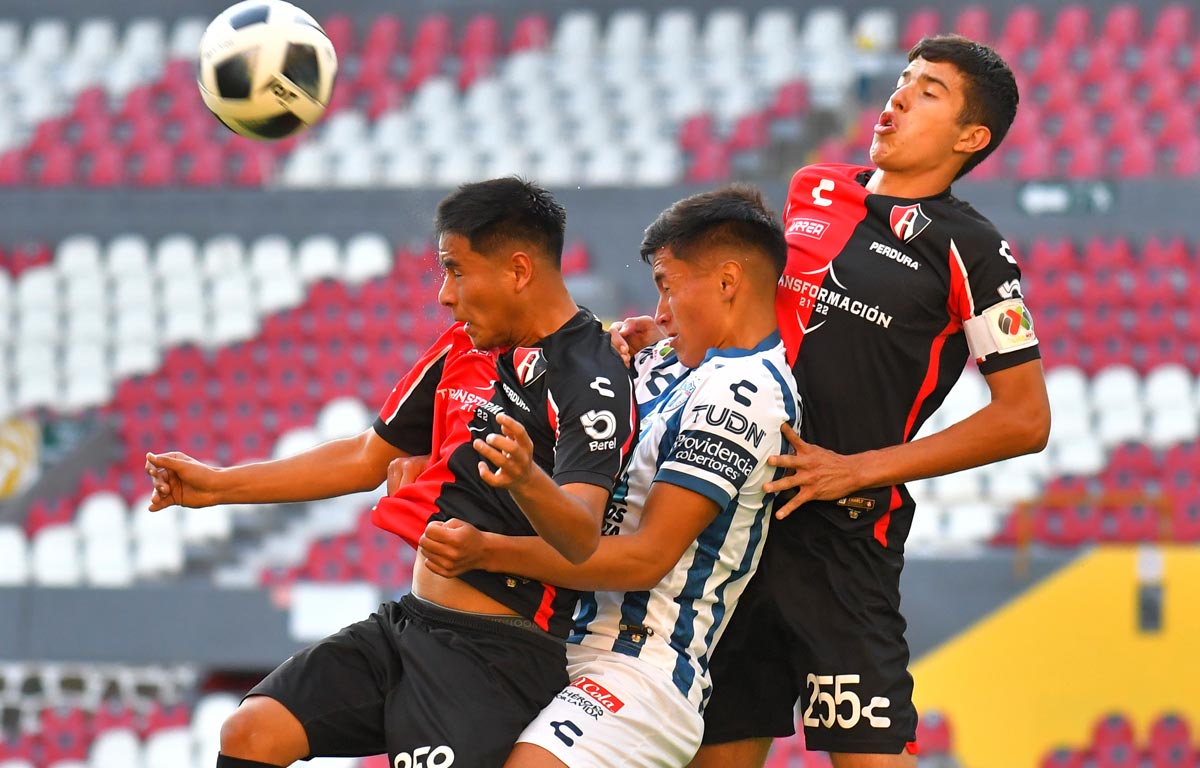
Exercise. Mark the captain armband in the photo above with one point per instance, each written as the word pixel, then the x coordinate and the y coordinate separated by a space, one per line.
pixel 1003 327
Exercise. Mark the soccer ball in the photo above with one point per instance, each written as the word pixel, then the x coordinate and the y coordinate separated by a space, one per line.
pixel 266 69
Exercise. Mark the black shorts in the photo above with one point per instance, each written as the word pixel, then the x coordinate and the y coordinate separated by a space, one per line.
pixel 415 679
pixel 817 638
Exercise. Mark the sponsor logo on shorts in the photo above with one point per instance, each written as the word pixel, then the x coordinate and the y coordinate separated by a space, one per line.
pixel 585 703
pixel 599 693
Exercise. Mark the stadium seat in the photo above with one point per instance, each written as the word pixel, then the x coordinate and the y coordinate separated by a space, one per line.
pixel 14 557
pixel 55 557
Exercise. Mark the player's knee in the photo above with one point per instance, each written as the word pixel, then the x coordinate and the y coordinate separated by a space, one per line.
pixel 262 729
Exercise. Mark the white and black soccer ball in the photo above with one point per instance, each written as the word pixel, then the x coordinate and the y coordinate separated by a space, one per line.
pixel 266 69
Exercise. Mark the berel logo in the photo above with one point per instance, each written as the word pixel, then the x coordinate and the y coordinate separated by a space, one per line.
pixel 908 221
pixel 529 364
pixel 808 227
pixel 599 693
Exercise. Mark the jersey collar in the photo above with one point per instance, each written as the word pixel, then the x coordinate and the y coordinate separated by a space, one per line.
pixel 766 344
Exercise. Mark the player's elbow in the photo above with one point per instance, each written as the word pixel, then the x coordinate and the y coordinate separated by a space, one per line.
pixel 579 548
pixel 1035 428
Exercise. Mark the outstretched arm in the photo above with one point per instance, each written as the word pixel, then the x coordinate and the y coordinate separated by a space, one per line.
pixel 672 519
pixel 338 467
pixel 1015 422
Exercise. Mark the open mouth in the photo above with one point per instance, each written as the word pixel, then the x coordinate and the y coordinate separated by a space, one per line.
pixel 887 123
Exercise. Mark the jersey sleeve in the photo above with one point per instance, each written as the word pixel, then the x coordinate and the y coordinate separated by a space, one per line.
pixel 591 406
pixel 655 370
pixel 728 427
pixel 986 297
pixel 406 418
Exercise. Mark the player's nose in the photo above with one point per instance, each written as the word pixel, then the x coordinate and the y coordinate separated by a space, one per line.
pixel 446 294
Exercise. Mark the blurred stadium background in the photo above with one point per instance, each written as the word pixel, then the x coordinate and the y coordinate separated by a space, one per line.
pixel 166 285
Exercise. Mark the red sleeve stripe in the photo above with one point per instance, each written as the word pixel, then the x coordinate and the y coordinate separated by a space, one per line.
pixel 625 449
pixel 390 414
pixel 552 412
pixel 961 301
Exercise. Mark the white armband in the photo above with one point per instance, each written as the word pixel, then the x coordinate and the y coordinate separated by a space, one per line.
pixel 1003 327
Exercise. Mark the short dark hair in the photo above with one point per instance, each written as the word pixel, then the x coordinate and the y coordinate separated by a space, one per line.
pixel 991 90
pixel 499 211
pixel 733 216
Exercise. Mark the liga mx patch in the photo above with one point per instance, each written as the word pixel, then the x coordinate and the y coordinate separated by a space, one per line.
pixel 529 363
pixel 599 693
pixel 908 221
pixel 1003 327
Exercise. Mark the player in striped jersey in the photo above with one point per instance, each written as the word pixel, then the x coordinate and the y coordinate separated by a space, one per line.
pixel 689 516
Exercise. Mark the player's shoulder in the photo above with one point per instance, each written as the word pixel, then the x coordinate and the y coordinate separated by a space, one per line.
pixel 747 377
pixel 960 220
pixel 582 349
pixel 845 171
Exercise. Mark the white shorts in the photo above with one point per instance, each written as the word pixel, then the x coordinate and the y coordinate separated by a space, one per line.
pixel 618 710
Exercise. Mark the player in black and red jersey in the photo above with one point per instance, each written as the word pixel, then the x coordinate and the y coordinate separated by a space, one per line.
pixel 453 672
pixel 891 284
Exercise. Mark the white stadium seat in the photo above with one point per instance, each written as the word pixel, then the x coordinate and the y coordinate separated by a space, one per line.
pixel 343 417
pixel 168 748
pixel 1116 425
pixel 1166 386
pixel 115 748
pixel 1115 387
pixel 457 167
pixel 319 257
pixel 294 441
pixel 185 38
pixel 576 34
pixel 177 255
pixel 270 255
pixel 102 514
pixel 206 523
pixel 222 254
pixel 1172 424
pixel 724 31
pixel 184 325
pixel 344 130
pixel 38 288
pixel 356 167
pixel 308 166
pixel 233 323
pixel 875 30
pixel 127 254
pixel 406 165
pixel 56 557
pixel 284 290
pixel 135 359
pixel 368 256
pixel 96 41
pixel 14 556
pixel 971 524
pixel 1077 457
pixel 78 252
pixel 107 563
pixel 49 40
pixel 10 40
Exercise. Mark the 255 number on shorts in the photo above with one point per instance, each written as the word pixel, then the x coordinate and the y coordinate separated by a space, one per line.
pixel 832 703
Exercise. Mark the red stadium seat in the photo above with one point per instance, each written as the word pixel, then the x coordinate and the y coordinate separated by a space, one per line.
pixel 433 36
pixel 107 167
pixel 481 36
pixel 48 134
pixel 934 735
pixel 1108 253
pixel 161 716
pixel 154 167
pixel 1071 124
pixel 66 734
pixel 12 168
pixel 92 131
pixel 1116 756
pixel 922 22
pixel 56 168
pixel 1186 162
pixel 1178 124
pixel 1112 729
pixel 1021 28
pixel 696 132
pixel 749 132
pixel 1104 60
pixel 90 102
pixel 975 22
pixel 205 166
pixel 1131 524
pixel 531 31
pixel 1052 60
pixel 1122 25
pixel 1065 526
pixel 1173 26
pixel 384 37
pixel 710 164
pixel 1085 158
pixel 1113 99
pixel 111 714
pixel 252 166
pixel 472 68
pixel 791 100
pixel 1170 744
pixel 141 133
pixel 1073 26
pixel 138 102
pixel 340 30
pixel 1162 91
pixel 422 66
pixel 1137 158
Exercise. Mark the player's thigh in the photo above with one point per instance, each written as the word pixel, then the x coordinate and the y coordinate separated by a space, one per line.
pixel 336 687
pixel 839 596
pixel 616 711
pixel 747 753
pixel 755 681
pixel 902 760
pixel 468 687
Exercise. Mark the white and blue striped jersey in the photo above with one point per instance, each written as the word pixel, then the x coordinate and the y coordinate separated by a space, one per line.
pixel 709 430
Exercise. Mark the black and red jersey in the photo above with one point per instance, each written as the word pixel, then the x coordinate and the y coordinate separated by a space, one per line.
pixel 569 390
pixel 872 308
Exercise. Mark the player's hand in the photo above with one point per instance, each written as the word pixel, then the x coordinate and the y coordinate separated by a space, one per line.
pixel 180 479
pixel 452 548
pixel 633 334
pixel 404 470
pixel 511 453
pixel 816 473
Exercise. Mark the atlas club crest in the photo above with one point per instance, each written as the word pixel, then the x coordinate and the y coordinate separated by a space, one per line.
pixel 908 221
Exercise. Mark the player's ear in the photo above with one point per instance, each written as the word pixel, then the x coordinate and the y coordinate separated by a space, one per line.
pixel 731 274
pixel 973 138
pixel 520 265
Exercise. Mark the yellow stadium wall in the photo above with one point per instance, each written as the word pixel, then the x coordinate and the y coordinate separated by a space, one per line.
pixel 1042 669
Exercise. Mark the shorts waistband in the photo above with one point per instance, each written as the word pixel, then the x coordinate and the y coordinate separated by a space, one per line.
pixel 485 622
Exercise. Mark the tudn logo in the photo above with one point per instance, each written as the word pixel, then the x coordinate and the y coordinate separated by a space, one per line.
pixel 1015 320
pixel 599 693
pixel 807 227
pixel 529 364
pixel 908 221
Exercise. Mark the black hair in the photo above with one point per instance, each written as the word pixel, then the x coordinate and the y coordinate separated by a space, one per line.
pixel 990 97
pixel 503 211
pixel 733 216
